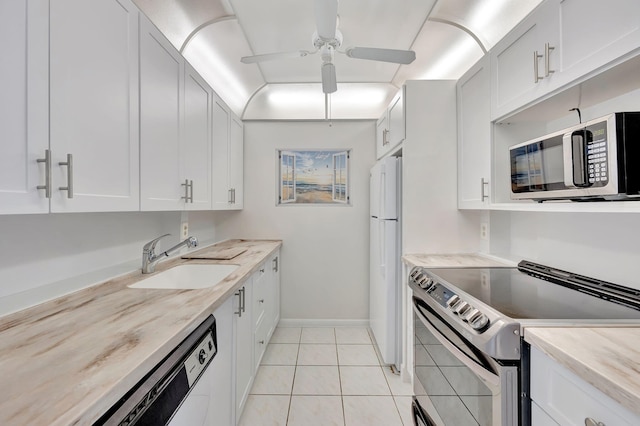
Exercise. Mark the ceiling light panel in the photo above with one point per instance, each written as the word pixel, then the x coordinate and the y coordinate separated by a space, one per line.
pixel 177 19
pixel 446 52
pixel 307 102
pixel 219 63
pixel 489 20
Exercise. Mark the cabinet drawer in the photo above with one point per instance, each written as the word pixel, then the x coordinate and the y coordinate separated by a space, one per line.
pixel 539 417
pixel 260 341
pixel 569 400
pixel 260 293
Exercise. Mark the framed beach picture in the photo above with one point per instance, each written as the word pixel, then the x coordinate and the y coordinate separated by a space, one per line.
pixel 313 177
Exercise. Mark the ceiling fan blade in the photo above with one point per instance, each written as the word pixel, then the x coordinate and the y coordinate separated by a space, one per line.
pixel 326 18
pixel 274 56
pixel 329 78
pixel 385 55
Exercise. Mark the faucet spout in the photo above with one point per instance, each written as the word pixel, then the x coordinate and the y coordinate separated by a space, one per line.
pixel 150 258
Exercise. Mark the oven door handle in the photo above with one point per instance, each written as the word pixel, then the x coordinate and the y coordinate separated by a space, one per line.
pixel 485 375
pixel 421 415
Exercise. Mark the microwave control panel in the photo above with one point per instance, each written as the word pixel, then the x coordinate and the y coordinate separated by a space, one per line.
pixel 597 154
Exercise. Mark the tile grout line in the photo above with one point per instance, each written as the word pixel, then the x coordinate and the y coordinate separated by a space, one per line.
pixel 293 382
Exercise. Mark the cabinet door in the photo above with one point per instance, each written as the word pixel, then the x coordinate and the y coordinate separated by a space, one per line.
pixel 161 78
pixel 236 162
pixel 243 332
pixel 196 139
pixel 221 404
pixel 273 308
pixel 221 190
pixel 594 32
pixel 94 105
pixel 474 137
pixel 24 109
pixel 382 135
pixel 396 120
pixel 515 59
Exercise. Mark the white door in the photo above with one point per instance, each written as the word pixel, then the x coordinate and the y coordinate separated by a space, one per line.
pixel 397 125
pixel 375 188
pixel 161 80
pixel 383 286
pixel 389 189
pixel 94 105
pixel 24 108
pixel 221 189
pixel 196 141
pixel 244 351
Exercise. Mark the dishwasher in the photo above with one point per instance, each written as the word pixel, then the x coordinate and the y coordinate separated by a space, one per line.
pixel 168 394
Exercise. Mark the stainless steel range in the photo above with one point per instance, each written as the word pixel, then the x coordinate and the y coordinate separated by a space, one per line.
pixel 470 362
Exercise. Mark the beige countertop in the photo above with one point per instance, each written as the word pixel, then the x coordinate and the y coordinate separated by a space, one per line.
pixel 463 260
pixel 606 357
pixel 69 360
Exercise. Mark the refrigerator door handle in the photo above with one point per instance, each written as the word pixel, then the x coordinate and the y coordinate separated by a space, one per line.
pixel 381 247
pixel 382 214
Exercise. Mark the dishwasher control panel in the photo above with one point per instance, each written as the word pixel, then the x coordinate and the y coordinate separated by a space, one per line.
pixel 199 358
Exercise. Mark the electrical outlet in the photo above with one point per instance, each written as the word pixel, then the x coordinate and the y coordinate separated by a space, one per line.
pixel 184 230
pixel 484 231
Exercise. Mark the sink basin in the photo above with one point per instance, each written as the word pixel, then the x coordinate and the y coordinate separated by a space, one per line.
pixel 186 277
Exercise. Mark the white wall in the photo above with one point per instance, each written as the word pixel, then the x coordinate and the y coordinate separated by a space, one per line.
pixel 325 252
pixel 46 256
pixel 601 245
pixel 432 221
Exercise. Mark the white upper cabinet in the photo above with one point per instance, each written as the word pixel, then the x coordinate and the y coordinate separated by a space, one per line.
pixel 196 141
pixel 390 131
pixel 474 137
pixel 518 61
pixel 94 105
pixel 24 109
pixel 559 43
pixel 161 80
pixel 594 33
pixel 228 143
pixel 236 162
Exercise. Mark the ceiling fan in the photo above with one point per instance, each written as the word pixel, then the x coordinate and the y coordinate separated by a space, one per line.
pixel 327 39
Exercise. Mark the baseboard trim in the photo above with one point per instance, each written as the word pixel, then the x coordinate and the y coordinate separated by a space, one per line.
pixel 293 322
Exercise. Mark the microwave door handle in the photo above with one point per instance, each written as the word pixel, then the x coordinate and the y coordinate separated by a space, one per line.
pixel 579 140
pixel 567 156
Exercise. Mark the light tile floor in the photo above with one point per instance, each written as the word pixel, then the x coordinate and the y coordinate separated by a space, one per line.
pixel 325 376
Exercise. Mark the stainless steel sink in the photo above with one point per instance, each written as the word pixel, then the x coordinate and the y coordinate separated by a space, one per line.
pixel 187 276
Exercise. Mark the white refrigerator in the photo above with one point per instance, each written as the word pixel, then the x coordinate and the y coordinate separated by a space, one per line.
pixel 384 274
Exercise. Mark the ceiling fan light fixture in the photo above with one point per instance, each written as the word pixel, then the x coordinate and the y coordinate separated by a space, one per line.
pixel 329 78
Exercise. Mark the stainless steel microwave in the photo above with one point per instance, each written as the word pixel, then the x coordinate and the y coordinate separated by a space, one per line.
pixel 596 160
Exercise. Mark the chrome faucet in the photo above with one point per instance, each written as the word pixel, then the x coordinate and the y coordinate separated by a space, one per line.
pixel 150 258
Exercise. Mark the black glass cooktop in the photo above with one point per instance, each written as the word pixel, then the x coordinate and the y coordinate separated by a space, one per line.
pixel 519 295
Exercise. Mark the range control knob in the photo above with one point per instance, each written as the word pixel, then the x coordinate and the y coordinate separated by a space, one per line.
pixel 453 301
pixel 470 315
pixel 202 356
pixel 480 323
pixel 425 282
pixel 461 308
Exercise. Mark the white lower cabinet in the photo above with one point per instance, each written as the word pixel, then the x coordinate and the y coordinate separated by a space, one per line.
pixel 243 336
pixel 256 315
pixel 561 397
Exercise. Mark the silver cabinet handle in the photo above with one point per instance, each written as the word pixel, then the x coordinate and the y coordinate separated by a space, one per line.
pixel 262 270
pixel 188 191
pixel 483 183
pixel 240 295
pixel 547 49
pixel 385 137
pixel 275 264
pixel 47 173
pixel 261 300
pixel 536 76
pixel 261 342
pixel 590 422
pixel 229 198
pixel 69 187
pixel 233 195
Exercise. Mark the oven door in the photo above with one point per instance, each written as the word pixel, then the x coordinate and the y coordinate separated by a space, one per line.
pixel 455 384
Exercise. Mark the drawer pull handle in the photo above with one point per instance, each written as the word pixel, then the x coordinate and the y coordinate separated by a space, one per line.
pixel 261 300
pixel 69 164
pixel 261 342
pixel 590 422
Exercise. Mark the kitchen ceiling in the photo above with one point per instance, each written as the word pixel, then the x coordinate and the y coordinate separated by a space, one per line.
pixel 448 37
